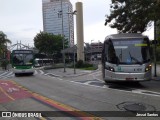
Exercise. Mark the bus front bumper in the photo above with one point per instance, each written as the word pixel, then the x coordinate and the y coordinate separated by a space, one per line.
pixel 20 71
pixel 118 76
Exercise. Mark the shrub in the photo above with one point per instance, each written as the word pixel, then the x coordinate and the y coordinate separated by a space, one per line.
pixel 158 53
pixel 81 64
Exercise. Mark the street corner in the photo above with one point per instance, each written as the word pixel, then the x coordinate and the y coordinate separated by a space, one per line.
pixel 11 91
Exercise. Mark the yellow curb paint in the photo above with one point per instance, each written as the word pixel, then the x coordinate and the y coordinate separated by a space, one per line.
pixel 68 108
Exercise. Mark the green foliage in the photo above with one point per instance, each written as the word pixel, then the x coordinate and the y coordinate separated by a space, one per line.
pixel 158 33
pixel 133 15
pixel 88 68
pixel 3 42
pixel 81 64
pixel 4 63
pixel 49 43
pixel 158 54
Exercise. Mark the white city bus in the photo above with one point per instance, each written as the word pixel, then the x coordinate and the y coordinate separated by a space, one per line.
pixel 126 57
pixel 22 61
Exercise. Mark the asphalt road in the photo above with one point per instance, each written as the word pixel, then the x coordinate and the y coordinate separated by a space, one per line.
pixel 90 93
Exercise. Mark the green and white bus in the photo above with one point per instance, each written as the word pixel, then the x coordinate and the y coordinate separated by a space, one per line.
pixel 22 62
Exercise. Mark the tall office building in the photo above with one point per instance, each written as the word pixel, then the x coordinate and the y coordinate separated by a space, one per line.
pixel 52 18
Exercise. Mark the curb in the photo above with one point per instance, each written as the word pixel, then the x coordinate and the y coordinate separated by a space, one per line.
pixel 63 76
pixel 74 75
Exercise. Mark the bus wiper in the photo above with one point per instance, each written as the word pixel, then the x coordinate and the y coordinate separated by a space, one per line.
pixel 135 59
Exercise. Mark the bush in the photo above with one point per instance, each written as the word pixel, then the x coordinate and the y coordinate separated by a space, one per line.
pixel 158 53
pixel 81 64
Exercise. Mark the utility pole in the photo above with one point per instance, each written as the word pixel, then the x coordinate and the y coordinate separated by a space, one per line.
pixel 155 46
pixel 64 64
pixel 91 50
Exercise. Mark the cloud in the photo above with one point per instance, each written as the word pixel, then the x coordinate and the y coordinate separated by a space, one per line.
pixel 21 19
pixel 94 12
pixel 98 32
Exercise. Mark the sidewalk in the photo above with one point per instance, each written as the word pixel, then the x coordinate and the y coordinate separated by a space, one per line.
pixel 157 72
pixel 59 72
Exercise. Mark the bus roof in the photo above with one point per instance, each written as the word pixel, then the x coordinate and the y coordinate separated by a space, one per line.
pixel 125 36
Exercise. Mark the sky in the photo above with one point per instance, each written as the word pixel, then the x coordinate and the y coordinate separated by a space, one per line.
pixel 21 20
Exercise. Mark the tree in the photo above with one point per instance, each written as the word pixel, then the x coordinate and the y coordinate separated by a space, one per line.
pixel 133 16
pixel 49 43
pixel 3 42
pixel 158 31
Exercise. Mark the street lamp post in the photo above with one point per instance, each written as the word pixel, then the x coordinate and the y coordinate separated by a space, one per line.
pixel 155 45
pixel 61 12
pixel 64 64
pixel 72 13
pixel 91 50
pixel 98 51
pixel 74 61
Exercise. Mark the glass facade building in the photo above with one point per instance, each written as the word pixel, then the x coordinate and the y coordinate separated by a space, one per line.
pixel 52 18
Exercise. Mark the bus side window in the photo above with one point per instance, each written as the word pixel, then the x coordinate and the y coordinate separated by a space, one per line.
pixel 106 53
pixel 103 57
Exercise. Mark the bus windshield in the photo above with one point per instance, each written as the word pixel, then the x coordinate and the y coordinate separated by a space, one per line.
pixel 131 51
pixel 23 59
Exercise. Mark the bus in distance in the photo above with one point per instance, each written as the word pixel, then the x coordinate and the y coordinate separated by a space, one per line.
pixel 22 62
pixel 126 57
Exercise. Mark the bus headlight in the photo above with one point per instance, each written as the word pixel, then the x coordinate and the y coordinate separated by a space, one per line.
pixel 110 68
pixel 148 68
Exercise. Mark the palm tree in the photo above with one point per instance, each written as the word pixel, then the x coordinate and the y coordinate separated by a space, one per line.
pixel 3 42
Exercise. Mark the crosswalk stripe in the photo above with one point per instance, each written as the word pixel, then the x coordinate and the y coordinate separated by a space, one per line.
pixel 41 72
pixel 4 73
pixel 7 74
pixel 35 72
pixel 10 73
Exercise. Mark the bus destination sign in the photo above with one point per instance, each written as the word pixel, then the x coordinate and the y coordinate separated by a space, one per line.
pixel 22 51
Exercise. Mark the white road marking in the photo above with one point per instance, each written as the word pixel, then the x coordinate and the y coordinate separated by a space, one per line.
pixel 3 73
pixel 146 92
pixel 35 72
pixel 41 72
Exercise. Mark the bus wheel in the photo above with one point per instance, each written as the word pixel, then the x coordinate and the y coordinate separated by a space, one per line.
pixel 106 82
pixel 16 74
pixel 31 74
